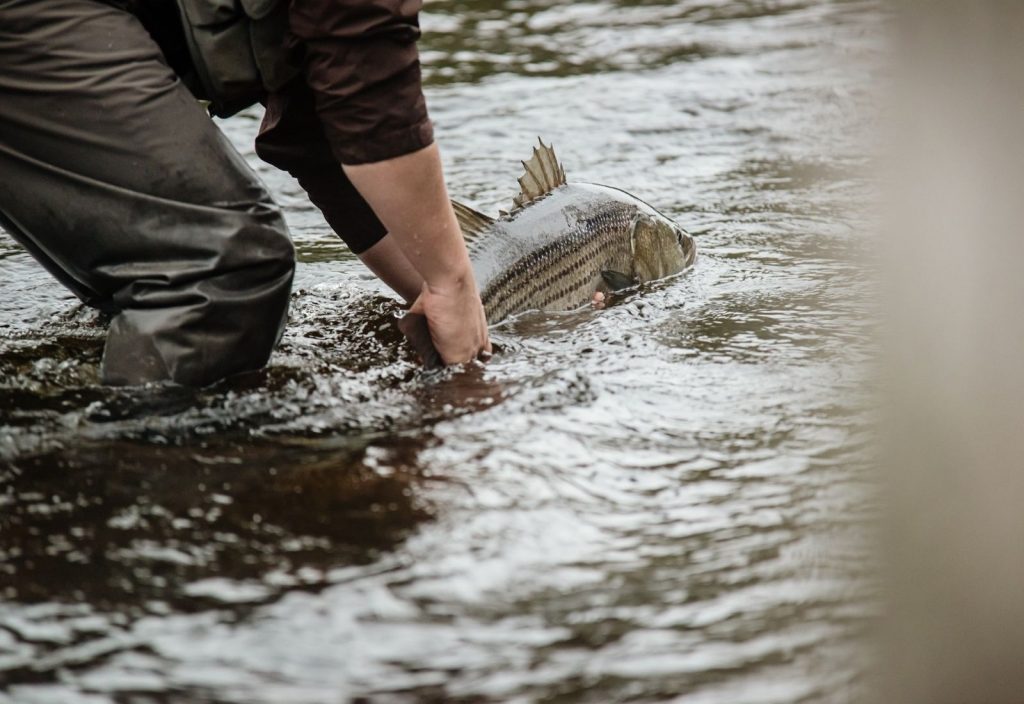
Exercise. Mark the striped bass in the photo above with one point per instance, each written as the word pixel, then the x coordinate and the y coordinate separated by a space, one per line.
pixel 563 242
pixel 560 245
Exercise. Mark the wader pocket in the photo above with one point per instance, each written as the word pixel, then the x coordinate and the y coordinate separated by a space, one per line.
pixel 238 50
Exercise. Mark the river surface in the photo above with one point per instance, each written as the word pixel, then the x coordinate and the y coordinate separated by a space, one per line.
pixel 658 500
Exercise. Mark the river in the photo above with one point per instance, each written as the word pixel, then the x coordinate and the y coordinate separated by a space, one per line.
pixel 663 499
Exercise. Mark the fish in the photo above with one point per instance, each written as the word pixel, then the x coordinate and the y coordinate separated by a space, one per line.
pixel 560 244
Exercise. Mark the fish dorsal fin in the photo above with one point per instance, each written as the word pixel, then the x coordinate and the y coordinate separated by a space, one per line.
pixel 472 222
pixel 543 175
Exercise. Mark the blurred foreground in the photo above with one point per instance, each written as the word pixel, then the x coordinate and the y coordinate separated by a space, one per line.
pixel 955 475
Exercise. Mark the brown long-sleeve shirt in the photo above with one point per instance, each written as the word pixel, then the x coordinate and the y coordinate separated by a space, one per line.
pixel 362 64
pixel 358 100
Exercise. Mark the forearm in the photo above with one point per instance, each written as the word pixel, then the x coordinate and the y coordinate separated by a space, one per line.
pixel 362 67
pixel 410 197
pixel 387 260
pixel 365 104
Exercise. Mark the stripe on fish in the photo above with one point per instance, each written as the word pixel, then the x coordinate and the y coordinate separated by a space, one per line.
pixel 550 250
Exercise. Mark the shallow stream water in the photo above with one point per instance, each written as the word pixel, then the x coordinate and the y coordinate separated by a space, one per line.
pixel 658 500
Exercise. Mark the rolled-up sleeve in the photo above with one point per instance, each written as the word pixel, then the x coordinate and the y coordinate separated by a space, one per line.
pixel 361 61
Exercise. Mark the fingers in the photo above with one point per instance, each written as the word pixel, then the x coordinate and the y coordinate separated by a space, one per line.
pixel 457 324
pixel 417 331
pixel 478 350
pixel 487 349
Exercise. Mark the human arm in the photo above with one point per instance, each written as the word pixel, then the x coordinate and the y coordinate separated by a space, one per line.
pixel 362 70
pixel 410 195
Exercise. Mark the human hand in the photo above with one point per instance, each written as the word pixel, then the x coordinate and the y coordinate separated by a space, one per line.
pixel 455 317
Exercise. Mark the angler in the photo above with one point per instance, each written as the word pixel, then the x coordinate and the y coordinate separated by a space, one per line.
pixel 114 178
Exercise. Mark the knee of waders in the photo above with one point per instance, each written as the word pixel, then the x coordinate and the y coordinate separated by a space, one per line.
pixel 280 248
pixel 256 267
pixel 281 253
pixel 263 242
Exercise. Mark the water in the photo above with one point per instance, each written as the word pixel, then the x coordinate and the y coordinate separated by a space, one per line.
pixel 656 500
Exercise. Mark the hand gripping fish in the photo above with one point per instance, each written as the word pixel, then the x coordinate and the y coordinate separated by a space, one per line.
pixel 559 245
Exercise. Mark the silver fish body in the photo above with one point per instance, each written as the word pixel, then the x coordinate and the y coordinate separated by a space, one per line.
pixel 562 243
pixel 553 253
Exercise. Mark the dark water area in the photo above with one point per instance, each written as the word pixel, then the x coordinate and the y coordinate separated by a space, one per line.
pixel 663 499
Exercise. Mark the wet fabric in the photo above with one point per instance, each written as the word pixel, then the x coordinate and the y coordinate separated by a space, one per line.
pixel 238 49
pixel 360 100
pixel 361 61
pixel 114 178
pixel 292 138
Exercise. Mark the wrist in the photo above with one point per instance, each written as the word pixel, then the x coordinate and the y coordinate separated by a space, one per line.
pixel 452 280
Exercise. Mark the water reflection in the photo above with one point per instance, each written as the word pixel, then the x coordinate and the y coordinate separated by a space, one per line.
pixel 123 525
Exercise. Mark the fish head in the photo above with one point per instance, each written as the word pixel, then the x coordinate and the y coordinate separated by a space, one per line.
pixel 660 247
